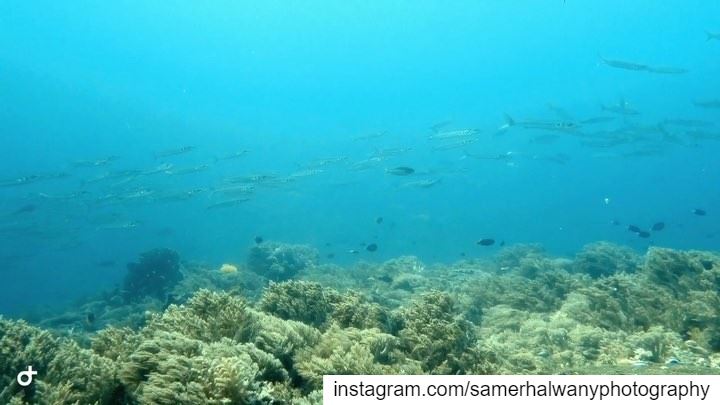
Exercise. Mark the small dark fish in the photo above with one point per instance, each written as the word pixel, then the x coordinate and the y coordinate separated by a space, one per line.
pixel 658 226
pixel 400 171
pixel 502 243
pixel 462 254
pixel 330 255
pixel 379 220
pixel 25 209
pixel 90 318
pixel 615 222
pixel 700 212
pixel 486 242
pixel 644 234
pixel 385 278
pixel 707 264
pixel 634 228
pixel 258 240
pixel 371 247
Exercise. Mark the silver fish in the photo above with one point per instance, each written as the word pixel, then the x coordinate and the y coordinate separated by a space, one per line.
pixel 507 156
pixel 619 64
pixel 562 126
pixel 707 103
pixel 427 183
pixel 251 178
pixel 596 120
pixel 460 133
pixel 387 152
pixel 455 145
pixel 367 163
pixel 227 203
pixel 120 226
pixel 370 136
pixel 317 163
pixel 174 152
pixel 621 108
pixel 179 195
pixel 162 168
pixel 400 171
pixel 20 181
pixel 187 170
pixel 235 190
pixel 688 123
pixel 440 125
pixel 232 156
pixel 305 173
pixel 94 163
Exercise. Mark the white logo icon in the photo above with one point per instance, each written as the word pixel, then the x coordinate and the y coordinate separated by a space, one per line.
pixel 24 378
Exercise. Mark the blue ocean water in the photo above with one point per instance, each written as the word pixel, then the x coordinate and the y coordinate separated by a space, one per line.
pixel 348 90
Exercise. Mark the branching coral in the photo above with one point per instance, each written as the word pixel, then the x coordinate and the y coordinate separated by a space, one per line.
pixel 354 310
pixel 544 293
pixel 280 261
pixel 303 301
pixel 353 351
pixel 601 259
pixel 22 345
pixel 315 305
pixel 532 316
pixel 434 332
pixel 621 301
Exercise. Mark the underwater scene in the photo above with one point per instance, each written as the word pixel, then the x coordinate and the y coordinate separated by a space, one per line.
pixel 221 202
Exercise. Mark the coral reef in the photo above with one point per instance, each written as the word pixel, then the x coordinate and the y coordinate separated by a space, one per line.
pixel 607 311
pixel 303 301
pixel 315 305
pixel 601 259
pixel 279 261
pixel 434 333
pixel 354 351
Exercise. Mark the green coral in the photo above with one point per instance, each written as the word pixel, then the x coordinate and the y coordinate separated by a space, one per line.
pixel 281 261
pixel 204 373
pixel 22 345
pixel 353 351
pixel 315 305
pixel 602 259
pixel 546 292
pixel 512 256
pixel 525 312
pixel 621 301
pixel 355 310
pixel 303 301
pixel 434 333
pixel 66 372
pixel 80 376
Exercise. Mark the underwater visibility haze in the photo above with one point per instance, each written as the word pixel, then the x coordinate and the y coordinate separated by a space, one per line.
pixel 280 190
